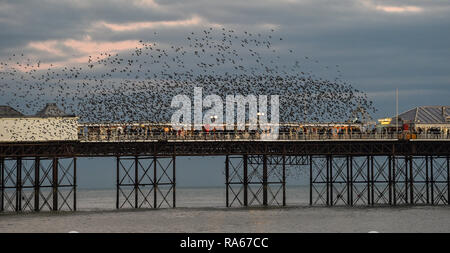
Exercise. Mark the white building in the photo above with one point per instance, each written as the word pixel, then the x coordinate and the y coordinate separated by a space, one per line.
pixel 49 124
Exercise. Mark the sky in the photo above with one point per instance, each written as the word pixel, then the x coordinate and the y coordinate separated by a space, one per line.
pixel 379 45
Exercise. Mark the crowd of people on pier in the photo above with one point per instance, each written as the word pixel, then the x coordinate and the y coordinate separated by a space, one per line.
pixel 286 131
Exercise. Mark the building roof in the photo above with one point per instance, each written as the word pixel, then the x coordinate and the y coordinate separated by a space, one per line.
pixel 427 115
pixel 8 111
pixel 51 110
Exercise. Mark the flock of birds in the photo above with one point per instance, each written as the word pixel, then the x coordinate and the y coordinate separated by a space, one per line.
pixel 138 85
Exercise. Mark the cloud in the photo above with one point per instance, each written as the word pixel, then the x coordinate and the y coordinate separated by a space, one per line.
pixel 71 51
pixel 134 26
pixel 87 46
pixel 399 9
pixel 47 46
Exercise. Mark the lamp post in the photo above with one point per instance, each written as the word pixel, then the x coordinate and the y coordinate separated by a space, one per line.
pixel 213 118
pixel 396 112
pixel 259 114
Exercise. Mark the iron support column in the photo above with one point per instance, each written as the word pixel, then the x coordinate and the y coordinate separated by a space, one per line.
pixel 284 180
pixel 351 180
pixel 245 162
pixel 155 183
pixel 264 180
pixel 427 180
pixel 55 183
pixel 117 180
pixel 19 184
pixel 328 180
pixel 432 180
pixel 330 161
pixel 368 180
pixel 227 174
pixel 37 183
pixel 136 181
pixel 2 183
pixel 348 179
pixel 174 181
pixel 390 179
pixel 406 179
pixel 74 183
pixel 448 180
pixel 310 180
pixel 394 192
pixel 372 179
pixel 411 181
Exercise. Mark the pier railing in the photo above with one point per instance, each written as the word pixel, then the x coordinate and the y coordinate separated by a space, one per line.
pixel 245 136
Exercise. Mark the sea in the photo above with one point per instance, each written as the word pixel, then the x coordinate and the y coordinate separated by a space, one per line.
pixel 186 197
pixel 202 210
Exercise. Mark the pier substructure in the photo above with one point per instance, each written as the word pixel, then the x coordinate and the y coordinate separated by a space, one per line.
pixel 258 180
pixel 379 180
pixel 37 183
pixel 145 182
pixel 439 180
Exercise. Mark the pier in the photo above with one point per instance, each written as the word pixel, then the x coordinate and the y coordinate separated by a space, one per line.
pixel 346 170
